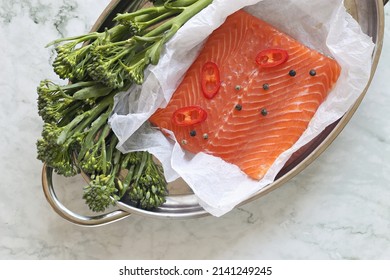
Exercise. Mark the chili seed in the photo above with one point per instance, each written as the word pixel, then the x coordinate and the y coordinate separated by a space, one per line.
pixel 205 136
pixel 238 107
pixel 264 112
pixel 292 73
pixel 266 86
pixel 193 133
pixel 312 72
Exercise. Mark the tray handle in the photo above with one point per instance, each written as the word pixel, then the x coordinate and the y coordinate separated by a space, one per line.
pixel 60 209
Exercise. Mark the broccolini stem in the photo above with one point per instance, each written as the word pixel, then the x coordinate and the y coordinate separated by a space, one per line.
pixel 76 85
pixel 77 39
pixel 125 184
pixel 102 141
pixel 144 160
pixel 115 33
pixel 94 91
pixel 82 121
pixel 69 113
pixel 123 18
pixel 175 23
pixel 112 146
pixel 96 126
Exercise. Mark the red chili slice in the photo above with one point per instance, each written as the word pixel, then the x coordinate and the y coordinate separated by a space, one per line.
pixel 190 115
pixel 271 57
pixel 210 79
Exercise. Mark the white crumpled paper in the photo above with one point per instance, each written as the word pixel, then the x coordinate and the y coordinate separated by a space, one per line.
pixel 220 186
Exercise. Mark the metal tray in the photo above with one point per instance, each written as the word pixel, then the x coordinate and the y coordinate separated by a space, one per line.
pixel 181 202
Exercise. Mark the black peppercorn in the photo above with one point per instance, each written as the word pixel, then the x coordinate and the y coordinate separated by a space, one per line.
pixel 292 73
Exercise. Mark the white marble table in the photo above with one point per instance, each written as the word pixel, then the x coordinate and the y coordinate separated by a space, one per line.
pixel 337 208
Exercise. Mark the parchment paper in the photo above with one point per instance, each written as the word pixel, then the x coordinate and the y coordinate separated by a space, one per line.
pixel 220 186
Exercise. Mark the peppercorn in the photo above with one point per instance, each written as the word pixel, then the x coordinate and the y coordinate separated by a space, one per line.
pixel 292 73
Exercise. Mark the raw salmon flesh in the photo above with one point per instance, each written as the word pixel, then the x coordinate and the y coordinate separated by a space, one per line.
pixel 249 95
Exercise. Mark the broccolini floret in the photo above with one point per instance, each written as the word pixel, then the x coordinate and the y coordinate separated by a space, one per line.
pixel 143 182
pixel 59 157
pixel 148 190
pixel 101 192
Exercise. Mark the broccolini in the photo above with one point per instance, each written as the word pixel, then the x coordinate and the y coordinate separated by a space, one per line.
pixel 119 55
pixel 76 136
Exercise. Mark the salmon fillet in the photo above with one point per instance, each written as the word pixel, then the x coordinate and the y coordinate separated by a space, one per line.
pixel 257 112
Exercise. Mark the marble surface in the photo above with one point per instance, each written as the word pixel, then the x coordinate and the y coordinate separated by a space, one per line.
pixel 337 208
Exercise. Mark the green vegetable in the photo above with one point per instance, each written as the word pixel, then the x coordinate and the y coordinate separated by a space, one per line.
pixel 146 190
pixel 119 55
pixel 76 136
pixel 143 181
pixel 70 125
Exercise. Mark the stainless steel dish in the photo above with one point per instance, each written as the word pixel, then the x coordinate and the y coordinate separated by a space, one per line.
pixel 182 203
